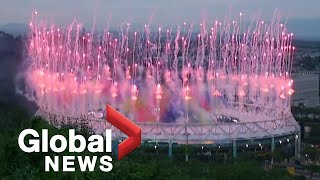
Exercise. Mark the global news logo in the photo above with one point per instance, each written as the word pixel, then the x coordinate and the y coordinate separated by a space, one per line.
pixel 77 143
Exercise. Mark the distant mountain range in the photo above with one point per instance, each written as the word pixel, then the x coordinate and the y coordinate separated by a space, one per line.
pixel 303 29
pixel 14 28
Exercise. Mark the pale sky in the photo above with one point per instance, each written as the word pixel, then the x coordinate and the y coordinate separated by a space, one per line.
pixel 160 11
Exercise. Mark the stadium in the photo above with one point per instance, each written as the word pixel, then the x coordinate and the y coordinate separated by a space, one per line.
pixel 219 83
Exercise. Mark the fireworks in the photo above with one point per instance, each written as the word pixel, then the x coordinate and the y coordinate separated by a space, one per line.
pixel 180 74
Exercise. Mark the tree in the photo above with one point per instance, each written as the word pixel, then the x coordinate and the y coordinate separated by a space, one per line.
pixel 311 169
pixel 278 155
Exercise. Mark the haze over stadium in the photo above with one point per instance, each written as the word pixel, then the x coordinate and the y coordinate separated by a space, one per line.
pixel 303 23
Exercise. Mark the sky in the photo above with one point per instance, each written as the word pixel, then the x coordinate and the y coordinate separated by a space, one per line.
pixel 159 11
pixel 163 12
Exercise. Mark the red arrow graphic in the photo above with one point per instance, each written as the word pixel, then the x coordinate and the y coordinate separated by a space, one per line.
pixel 126 126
